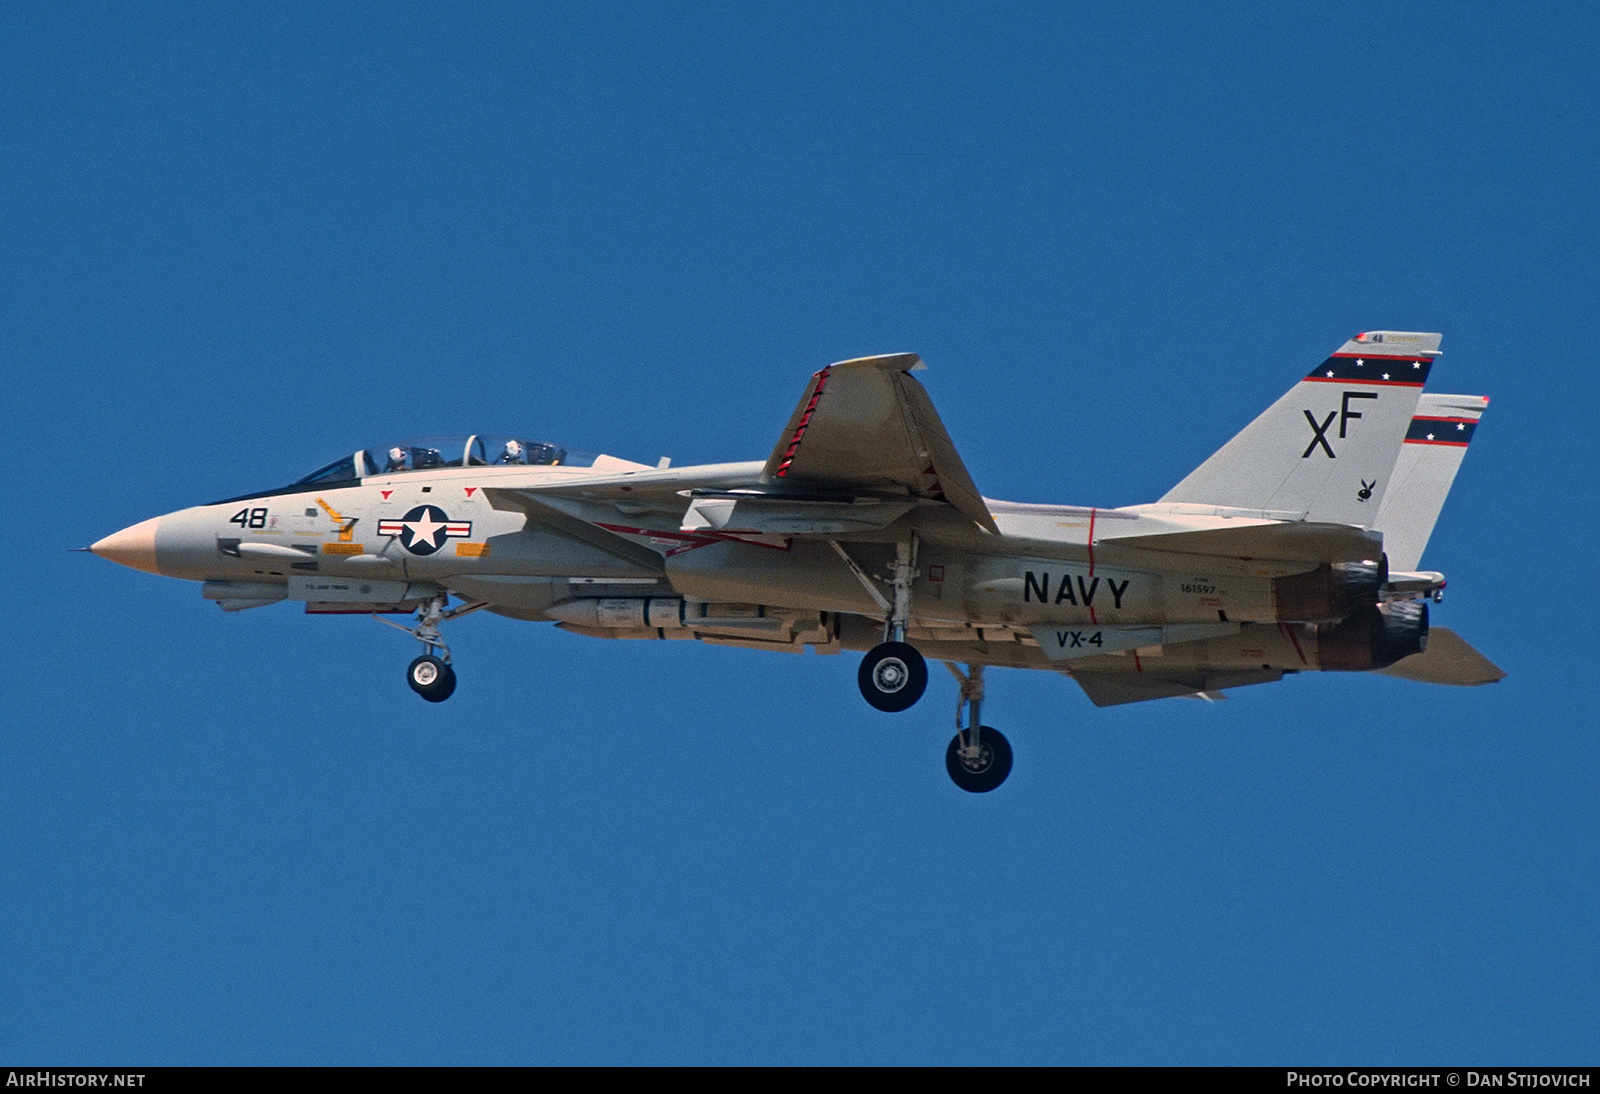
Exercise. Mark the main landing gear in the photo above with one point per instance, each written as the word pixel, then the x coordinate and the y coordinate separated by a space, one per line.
pixel 893 676
pixel 430 675
pixel 979 758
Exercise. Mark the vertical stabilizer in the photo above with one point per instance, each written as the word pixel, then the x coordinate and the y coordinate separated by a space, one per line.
pixel 1435 445
pixel 1325 450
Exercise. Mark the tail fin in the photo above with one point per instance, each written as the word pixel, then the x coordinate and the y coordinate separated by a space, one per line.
pixel 1435 445
pixel 1324 451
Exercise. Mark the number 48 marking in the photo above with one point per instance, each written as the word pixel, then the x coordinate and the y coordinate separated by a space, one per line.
pixel 249 518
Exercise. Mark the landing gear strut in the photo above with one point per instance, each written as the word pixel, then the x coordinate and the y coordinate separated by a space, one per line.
pixel 979 758
pixel 893 674
pixel 431 676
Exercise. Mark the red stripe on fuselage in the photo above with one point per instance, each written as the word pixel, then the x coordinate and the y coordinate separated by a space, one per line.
pixel 1091 541
pixel 1093 618
pixel 1288 632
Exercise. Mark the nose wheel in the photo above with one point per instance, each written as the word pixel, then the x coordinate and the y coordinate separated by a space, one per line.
pixel 431 678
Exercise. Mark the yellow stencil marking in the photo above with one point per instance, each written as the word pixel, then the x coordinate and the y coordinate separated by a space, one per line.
pixel 346 528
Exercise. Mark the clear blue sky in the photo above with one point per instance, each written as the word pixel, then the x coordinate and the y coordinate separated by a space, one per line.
pixel 242 240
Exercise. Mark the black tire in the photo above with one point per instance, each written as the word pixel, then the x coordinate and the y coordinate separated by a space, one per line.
pixel 892 676
pixel 991 767
pixel 431 678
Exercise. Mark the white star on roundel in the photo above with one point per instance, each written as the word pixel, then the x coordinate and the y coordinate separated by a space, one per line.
pixel 426 528
pixel 1430 436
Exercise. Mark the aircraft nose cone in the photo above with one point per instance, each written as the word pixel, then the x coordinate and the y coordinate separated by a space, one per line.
pixel 134 546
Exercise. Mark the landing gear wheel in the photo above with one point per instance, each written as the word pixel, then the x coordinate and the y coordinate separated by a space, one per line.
pixel 988 769
pixel 431 678
pixel 893 676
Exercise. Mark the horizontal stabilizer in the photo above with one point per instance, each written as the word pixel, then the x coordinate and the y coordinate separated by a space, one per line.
pixel 1110 689
pixel 1447 660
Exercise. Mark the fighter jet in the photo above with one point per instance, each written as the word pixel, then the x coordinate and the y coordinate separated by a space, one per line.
pixel 1294 548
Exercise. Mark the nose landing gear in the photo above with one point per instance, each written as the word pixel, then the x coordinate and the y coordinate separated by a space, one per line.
pixel 431 676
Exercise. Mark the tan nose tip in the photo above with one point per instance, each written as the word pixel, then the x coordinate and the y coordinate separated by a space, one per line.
pixel 134 546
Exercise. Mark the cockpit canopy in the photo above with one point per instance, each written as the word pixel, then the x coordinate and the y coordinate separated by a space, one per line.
pixel 428 453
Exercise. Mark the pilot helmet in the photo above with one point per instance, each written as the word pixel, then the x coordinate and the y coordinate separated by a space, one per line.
pixel 513 453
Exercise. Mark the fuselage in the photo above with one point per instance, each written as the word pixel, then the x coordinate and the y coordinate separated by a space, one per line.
pixel 1060 586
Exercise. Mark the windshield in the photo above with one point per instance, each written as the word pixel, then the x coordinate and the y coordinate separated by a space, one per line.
pixel 344 470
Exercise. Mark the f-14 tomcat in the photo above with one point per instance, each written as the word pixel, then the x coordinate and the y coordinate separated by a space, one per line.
pixel 1295 547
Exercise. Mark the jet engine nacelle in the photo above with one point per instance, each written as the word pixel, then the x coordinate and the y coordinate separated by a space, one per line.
pixel 1330 592
pixel 1374 637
